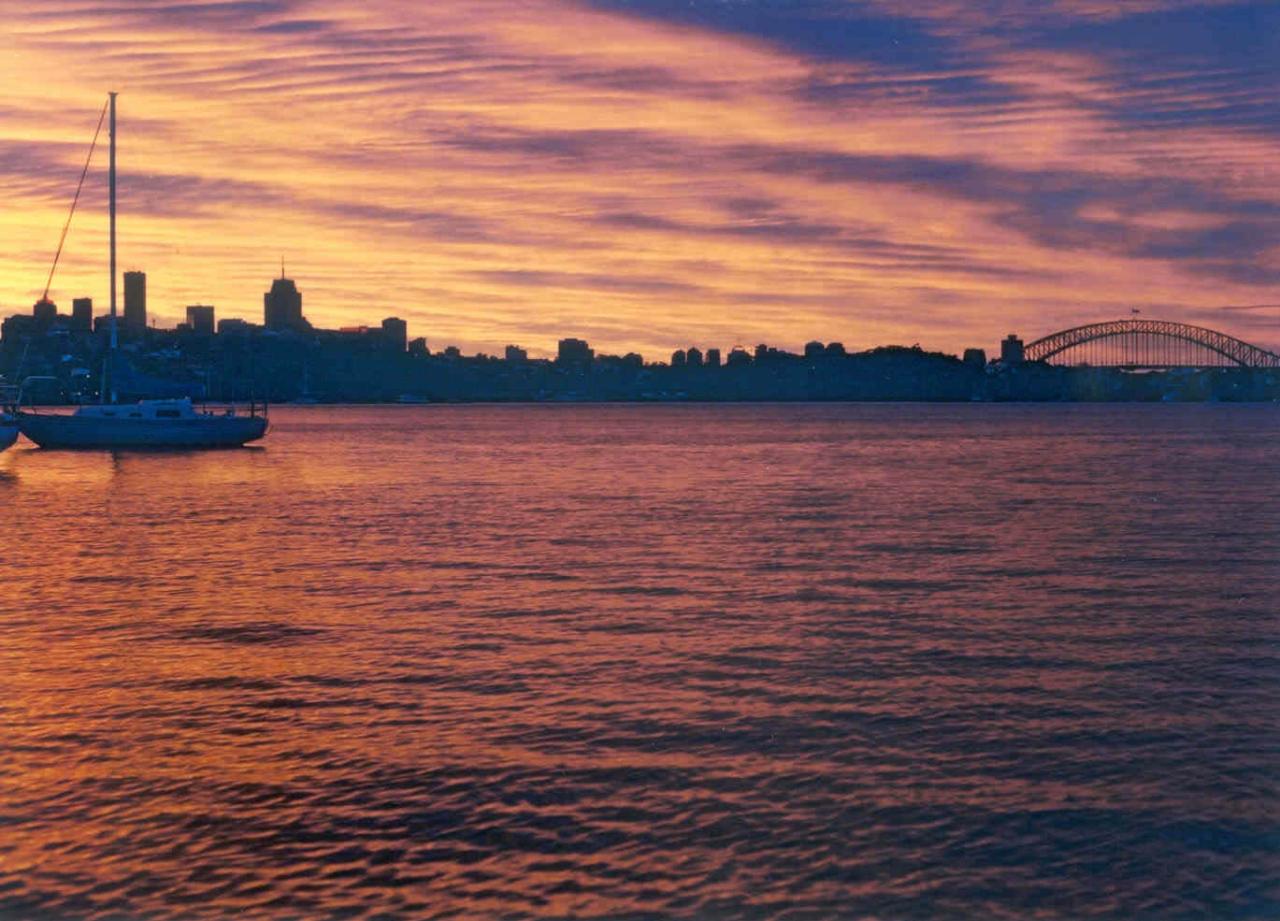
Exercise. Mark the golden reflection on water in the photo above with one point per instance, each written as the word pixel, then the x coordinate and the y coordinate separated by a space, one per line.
pixel 685 661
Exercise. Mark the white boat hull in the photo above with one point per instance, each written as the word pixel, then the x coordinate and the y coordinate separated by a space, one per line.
pixel 51 430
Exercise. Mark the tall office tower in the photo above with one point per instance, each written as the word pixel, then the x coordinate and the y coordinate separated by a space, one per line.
pixel 135 302
pixel 282 306
pixel 82 314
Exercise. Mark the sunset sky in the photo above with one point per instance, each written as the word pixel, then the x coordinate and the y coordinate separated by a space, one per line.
pixel 653 174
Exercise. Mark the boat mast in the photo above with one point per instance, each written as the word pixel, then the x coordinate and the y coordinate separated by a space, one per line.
pixel 111 191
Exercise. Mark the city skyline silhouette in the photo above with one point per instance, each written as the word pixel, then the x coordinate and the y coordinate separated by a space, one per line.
pixel 727 171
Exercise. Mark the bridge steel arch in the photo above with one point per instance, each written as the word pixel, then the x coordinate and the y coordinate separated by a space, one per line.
pixel 1235 350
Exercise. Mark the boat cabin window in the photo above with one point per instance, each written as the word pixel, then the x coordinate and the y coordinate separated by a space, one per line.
pixel 167 413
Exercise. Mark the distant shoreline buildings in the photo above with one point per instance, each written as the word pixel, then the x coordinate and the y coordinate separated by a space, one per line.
pixel 286 358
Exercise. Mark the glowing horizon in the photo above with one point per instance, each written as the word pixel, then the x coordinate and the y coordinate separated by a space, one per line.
pixel 650 175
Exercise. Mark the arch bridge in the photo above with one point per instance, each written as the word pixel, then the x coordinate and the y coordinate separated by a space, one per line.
pixel 1148 344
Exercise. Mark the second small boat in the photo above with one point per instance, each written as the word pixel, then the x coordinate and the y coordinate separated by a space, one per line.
pixel 8 430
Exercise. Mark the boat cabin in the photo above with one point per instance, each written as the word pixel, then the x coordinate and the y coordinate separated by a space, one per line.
pixel 150 410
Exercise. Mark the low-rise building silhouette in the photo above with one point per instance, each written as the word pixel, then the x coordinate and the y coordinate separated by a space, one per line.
pixel 1011 350
pixel 45 312
pixel 200 319
pixel 396 333
pixel 574 352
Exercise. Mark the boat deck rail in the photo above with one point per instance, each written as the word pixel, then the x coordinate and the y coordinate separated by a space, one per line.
pixel 14 398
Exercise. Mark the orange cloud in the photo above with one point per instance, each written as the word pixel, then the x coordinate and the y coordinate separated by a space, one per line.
pixel 499 172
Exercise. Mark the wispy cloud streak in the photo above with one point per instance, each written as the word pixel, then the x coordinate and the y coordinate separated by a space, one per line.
pixel 656 170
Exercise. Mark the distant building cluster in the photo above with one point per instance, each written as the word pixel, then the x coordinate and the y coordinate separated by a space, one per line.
pixel 286 358
pixel 281 313
pixel 185 360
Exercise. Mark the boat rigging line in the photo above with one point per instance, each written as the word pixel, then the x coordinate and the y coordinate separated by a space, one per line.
pixel 67 226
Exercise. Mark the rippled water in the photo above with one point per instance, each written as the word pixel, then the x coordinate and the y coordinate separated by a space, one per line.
pixel 683 661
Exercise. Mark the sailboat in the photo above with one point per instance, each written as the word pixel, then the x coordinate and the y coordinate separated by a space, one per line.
pixel 145 424
pixel 8 430
pixel 149 423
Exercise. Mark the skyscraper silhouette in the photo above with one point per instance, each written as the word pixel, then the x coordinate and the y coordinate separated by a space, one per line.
pixel 282 306
pixel 82 314
pixel 135 301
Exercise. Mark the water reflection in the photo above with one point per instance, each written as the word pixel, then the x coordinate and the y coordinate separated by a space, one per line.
pixel 684 661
